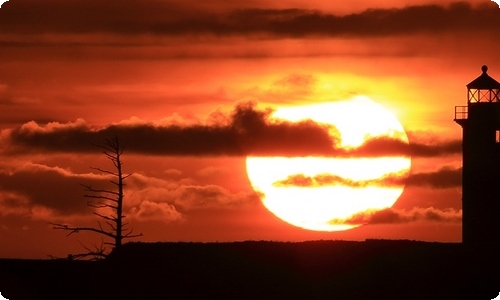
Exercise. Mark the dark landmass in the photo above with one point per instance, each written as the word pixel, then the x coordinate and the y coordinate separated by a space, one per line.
pixel 374 269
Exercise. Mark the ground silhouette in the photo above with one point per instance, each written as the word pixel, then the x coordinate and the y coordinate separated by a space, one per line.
pixel 374 269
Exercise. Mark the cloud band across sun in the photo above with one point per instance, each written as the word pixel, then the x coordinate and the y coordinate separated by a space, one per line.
pixel 247 130
pixel 400 216
pixel 440 179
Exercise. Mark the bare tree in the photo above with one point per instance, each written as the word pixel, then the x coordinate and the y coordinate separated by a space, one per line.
pixel 104 199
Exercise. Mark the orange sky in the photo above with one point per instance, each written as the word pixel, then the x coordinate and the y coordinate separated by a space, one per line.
pixel 160 72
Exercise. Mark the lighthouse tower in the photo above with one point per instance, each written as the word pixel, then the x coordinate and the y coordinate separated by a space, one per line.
pixel 480 121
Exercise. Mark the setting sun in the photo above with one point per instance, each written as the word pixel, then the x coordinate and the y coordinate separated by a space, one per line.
pixel 297 189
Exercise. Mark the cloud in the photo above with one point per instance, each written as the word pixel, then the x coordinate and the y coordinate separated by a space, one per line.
pixel 443 178
pixel 54 188
pixel 154 211
pixel 48 193
pixel 212 197
pixel 183 195
pixel 386 146
pixel 247 130
pixel 173 18
pixel 294 85
pixel 395 216
pixel 301 180
pixel 13 204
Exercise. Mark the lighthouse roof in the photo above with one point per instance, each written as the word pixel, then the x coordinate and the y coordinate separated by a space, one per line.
pixel 484 81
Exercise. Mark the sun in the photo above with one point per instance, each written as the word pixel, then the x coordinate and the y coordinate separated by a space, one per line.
pixel 294 188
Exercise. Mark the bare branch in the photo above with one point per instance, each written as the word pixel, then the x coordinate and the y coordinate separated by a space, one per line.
pixel 100 197
pixel 104 217
pixel 128 236
pixel 104 171
pixel 97 253
pixel 88 188
pixel 111 225
pixel 100 226
pixel 78 229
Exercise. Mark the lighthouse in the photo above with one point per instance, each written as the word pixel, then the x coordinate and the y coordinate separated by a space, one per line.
pixel 480 122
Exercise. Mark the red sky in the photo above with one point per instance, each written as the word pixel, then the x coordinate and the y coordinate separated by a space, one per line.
pixel 174 79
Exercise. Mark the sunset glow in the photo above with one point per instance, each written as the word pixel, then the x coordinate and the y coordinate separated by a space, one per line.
pixel 323 207
pixel 240 120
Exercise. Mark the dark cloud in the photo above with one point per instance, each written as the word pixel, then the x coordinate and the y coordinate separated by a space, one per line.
pixel 53 188
pixel 212 197
pixel 394 216
pixel 44 192
pixel 386 146
pixel 12 203
pixel 173 198
pixel 301 180
pixel 441 179
pixel 246 131
pixel 172 18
